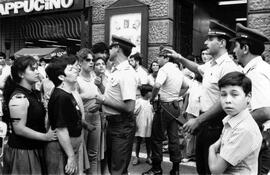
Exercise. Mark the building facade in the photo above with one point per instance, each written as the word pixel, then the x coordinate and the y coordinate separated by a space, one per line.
pixel 179 24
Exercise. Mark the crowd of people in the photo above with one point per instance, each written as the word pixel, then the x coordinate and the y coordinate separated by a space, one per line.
pixel 82 113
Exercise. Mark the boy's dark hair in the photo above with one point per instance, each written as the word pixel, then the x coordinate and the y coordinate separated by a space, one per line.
pixel 58 66
pixel 255 47
pixel 145 88
pixel 236 79
pixel 100 47
pixel 137 57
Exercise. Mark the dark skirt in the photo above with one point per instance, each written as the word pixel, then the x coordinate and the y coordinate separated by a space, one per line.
pixel 20 161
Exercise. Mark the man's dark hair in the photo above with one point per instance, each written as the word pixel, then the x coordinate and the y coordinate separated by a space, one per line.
pixel 236 79
pixel 255 47
pixel 58 66
pixel 227 39
pixel 145 88
pixel 125 49
pixel 137 57
pixel 100 47
pixel 2 54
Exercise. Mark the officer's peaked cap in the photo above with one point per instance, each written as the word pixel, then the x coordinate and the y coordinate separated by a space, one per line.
pixel 249 34
pixel 117 40
pixel 217 29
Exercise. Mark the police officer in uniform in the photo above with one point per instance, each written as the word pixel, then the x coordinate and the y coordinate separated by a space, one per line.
pixel 118 105
pixel 249 45
pixel 210 120
pixel 170 84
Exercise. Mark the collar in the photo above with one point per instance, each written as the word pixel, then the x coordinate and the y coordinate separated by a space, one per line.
pixel 222 58
pixel 24 89
pixel 123 65
pixel 168 64
pixel 234 121
pixel 251 65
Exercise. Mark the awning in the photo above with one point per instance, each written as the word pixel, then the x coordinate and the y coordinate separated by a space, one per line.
pixel 52 28
pixel 46 53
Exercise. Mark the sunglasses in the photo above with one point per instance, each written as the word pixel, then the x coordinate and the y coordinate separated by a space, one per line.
pixel 88 59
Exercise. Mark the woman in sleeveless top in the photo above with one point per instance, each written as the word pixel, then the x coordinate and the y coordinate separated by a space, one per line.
pixel 25 114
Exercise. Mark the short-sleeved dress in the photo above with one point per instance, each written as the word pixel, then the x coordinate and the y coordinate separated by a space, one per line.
pixel 144 117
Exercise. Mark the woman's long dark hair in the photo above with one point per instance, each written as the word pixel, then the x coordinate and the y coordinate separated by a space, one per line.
pixel 18 67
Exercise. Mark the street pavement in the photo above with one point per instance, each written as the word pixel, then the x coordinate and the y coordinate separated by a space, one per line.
pixel 185 168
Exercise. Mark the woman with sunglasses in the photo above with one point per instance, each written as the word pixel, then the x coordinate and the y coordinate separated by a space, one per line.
pixel 88 90
pixel 25 113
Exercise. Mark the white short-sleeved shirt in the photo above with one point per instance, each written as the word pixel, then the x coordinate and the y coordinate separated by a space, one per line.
pixel 259 73
pixel 121 86
pixel 171 78
pixel 240 143
pixel 212 71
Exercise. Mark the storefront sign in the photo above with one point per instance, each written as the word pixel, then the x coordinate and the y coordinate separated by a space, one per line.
pixel 20 7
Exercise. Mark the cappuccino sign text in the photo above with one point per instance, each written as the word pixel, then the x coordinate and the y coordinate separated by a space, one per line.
pixel 28 6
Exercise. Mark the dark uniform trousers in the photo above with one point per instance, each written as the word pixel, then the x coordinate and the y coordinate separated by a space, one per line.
pixel 264 156
pixel 206 136
pixel 120 136
pixel 163 122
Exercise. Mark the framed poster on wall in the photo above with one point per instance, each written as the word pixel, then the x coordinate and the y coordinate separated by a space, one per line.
pixel 127 26
pixel 128 19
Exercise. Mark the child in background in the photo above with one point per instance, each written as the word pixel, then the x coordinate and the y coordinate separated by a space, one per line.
pixel 237 149
pixel 192 111
pixel 144 118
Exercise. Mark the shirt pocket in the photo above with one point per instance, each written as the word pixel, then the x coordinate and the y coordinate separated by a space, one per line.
pixel 114 81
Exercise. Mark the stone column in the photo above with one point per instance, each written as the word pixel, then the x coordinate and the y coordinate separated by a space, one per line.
pixel 259 18
pixel 160 26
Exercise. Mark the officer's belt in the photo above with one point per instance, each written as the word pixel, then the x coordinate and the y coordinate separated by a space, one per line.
pixel 119 118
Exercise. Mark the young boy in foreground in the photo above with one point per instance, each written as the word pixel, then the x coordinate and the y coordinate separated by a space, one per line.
pixel 237 149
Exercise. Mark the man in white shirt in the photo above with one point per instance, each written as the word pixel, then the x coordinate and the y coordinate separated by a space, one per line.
pixel 249 45
pixel 170 84
pixel 209 122
pixel 136 62
pixel 118 105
